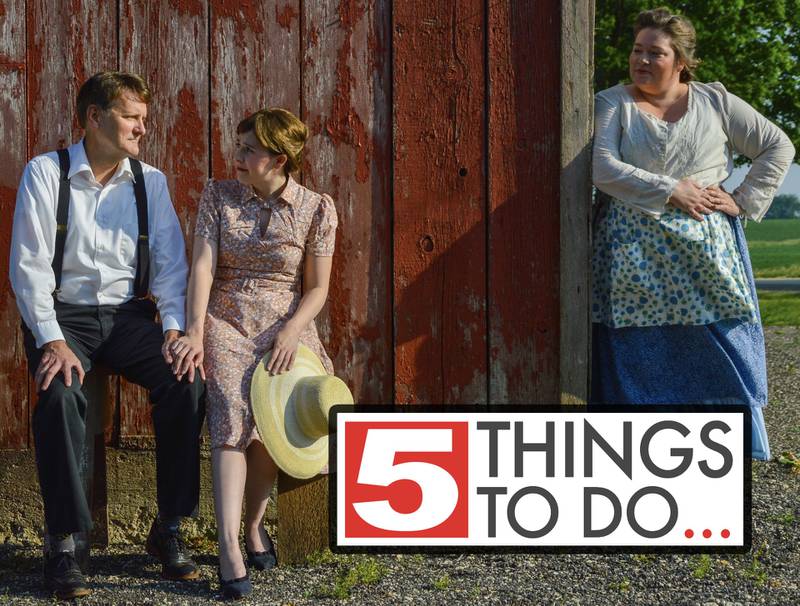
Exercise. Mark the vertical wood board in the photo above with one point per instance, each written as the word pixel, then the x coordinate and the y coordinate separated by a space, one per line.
pixel 13 133
pixel 524 236
pixel 68 41
pixel 255 49
pixel 347 105
pixel 167 43
pixel 439 201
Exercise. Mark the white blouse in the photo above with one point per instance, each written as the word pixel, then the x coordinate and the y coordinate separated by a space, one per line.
pixel 638 158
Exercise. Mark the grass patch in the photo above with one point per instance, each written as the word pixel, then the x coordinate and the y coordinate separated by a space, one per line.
pixel 772 230
pixel 790 460
pixel 755 570
pixel 787 518
pixel 774 248
pixel 702 566
pixel 359 571
pixel 623 586
pixel 644 558
pixel 442 583
pixel 779 308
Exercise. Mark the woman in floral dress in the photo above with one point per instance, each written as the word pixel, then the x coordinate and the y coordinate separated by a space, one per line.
pixel 262 261
pixel 674 308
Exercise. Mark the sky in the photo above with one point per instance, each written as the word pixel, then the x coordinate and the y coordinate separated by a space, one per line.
pixel 791 184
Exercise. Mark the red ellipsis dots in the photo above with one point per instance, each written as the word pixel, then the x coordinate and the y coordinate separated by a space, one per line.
pixel 725 533
pixel 707 533
pixel 689 533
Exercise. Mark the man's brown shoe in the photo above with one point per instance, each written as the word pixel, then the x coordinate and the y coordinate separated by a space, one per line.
pixel 169 548
pixel 63 576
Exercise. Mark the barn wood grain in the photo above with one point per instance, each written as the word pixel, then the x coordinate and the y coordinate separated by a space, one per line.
pixel 13 376
pixel 524 232
pixel 347 105
pixel 67 41
pixel 255 63
pixel 166 41
pixel 439 201
pixel 577 23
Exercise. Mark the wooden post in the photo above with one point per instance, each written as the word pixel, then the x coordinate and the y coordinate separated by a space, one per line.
pixel 302 517
pixel 577 106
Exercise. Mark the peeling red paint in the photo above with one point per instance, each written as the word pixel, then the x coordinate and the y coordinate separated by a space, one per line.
pixel 186 153
pixel 345 125
pixel 6 63
pixel 246 13
pixel 191 8
pixel 313 36
pixel 286 16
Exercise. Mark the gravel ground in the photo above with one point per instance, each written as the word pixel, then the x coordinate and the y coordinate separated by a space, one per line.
pixel 769 574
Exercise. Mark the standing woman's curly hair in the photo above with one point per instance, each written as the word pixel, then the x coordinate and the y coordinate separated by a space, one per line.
pixel 680 31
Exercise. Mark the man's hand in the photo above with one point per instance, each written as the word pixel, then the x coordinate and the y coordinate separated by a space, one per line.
pixel 187 355
pixel 58 357
pixel 169 337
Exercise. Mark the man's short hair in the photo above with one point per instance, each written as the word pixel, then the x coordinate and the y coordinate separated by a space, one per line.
pixel 104 88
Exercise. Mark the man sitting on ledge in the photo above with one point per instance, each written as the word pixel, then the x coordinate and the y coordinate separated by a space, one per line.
pixel 94 232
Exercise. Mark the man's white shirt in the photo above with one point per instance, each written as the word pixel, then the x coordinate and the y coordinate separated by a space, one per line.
pixel 100 251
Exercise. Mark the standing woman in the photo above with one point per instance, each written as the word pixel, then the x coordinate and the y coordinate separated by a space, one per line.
pixel 675 313
pixel 262 261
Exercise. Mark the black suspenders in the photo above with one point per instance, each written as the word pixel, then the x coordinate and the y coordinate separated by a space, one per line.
pixel 141 281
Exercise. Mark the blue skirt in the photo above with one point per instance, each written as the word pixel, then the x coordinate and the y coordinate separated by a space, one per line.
pixel 719 363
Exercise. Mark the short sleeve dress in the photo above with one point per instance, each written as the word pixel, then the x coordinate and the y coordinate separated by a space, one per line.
pixel 257 288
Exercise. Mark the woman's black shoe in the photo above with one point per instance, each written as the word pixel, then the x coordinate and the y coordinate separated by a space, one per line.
pixel 235 589
pixel 262 560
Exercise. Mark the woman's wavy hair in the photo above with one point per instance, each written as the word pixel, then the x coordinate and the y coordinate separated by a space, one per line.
pixel 681 33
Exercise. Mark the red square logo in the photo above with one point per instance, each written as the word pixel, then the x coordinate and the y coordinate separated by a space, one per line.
pixel 405 479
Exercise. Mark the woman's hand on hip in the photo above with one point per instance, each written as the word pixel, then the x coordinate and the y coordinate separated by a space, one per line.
pixel 284 350
pixel 723 201
pixel 692 199
pixel 187 355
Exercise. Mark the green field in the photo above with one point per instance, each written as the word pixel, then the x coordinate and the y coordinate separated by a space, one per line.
pixel 774 247
pixel 779 308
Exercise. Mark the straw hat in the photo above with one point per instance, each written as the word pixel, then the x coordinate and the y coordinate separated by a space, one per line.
pixel 291 412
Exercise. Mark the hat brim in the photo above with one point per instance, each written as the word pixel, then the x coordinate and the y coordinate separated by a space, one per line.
pixel 271 398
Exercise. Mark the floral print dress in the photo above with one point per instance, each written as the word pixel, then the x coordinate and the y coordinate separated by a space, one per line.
pixel 257 288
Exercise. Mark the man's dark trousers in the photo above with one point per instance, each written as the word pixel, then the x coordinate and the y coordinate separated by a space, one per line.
pixel 125 339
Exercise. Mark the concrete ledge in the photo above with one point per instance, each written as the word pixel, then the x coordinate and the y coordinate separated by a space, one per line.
pixel 131 498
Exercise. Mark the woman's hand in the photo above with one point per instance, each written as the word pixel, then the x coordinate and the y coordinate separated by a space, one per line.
pixel 723 201
pixel 187 354
pixel 284 350
pixel 692 199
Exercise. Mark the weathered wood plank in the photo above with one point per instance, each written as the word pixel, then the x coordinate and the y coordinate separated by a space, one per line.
pixel 524 131
pixel 346 103
pixel 577 67
pixel 13 133
pixel 167 43
pixel 346 84
pixel 255 63
pixel 68 41
pixel 439 201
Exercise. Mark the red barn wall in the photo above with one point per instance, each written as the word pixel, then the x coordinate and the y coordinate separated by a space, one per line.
pixel 436 127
